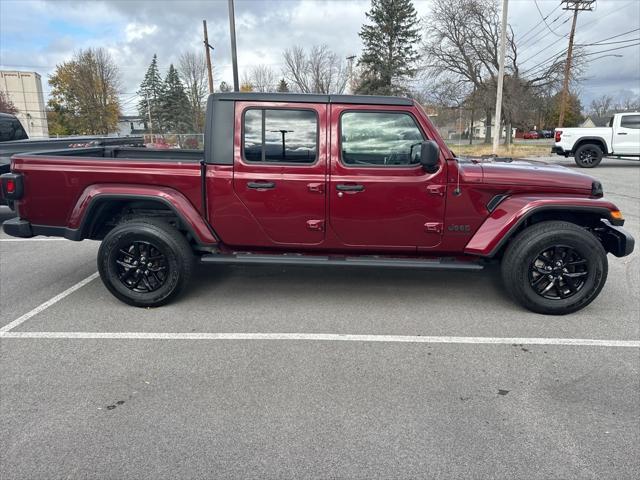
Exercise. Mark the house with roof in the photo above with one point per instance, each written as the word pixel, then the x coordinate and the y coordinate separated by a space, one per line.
pixel 593 121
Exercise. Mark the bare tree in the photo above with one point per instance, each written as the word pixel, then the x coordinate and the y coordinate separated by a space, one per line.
pixel 461 51
pixel 262 79
pixel 318 71
pixel 627 102
pixel 601 106
pixel 193 73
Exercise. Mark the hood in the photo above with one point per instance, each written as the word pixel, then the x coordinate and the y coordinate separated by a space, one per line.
pixel 532 173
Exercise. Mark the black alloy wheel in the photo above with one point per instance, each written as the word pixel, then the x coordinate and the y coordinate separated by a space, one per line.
pixel 558 272
pixel 145 262
pixel 141 267
pixel 554 267
pixel 588 155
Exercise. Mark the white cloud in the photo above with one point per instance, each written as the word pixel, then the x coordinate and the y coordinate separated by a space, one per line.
pixel 136 31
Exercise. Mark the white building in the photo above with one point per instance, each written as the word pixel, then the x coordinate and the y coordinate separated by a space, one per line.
pixel 131 125
pixel 24 89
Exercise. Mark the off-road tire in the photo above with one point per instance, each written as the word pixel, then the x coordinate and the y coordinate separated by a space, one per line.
pixel 521 253
pixel 173 247
pixel 588 155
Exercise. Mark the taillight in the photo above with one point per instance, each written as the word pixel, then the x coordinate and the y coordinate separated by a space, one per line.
pixel 12 186
pixel 558 135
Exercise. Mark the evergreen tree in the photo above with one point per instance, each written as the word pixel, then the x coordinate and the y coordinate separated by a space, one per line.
pixel 283 87
pixel 175 112
pixel 390 53
pixel 573 114
pixel 224 87
pixel 150 93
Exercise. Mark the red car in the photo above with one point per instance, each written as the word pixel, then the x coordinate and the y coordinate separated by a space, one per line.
pixel 532 135
pixel 324 180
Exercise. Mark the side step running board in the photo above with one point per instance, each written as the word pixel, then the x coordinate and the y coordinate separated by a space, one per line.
pixel 372 261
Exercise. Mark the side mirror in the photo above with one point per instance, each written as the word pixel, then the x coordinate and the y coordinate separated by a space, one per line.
pixel 429 156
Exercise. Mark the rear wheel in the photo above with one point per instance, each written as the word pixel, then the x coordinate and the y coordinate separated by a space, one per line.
pixel 554 268
pixel 145 262
pixel 588 155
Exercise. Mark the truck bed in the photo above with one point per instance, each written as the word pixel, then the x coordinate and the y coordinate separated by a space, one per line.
pixel 56 180
pixel 130 153
pixel 10 148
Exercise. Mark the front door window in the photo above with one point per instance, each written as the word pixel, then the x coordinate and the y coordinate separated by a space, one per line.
pixel 380 139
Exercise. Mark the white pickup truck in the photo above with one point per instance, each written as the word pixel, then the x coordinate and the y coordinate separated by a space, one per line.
pixel 588 145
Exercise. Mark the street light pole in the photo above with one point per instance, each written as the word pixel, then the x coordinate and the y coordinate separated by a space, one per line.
pixel 234 53
pixel 498 114
pixel 283 133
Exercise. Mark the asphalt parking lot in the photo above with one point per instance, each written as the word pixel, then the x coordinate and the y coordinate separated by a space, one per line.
pixel 92 388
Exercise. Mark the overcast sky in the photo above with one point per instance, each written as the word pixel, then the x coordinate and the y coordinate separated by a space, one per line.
pixel 36 35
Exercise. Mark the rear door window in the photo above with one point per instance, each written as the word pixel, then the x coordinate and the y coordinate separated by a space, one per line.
pixel 630 121
pixel 280 136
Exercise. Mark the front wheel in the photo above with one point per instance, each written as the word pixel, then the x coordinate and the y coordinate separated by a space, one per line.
pixel 554 268
pixel 145 262
pixel 588 155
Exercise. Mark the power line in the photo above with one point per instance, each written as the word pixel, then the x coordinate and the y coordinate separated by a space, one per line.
pixel 536 25
pixel 612 49
pixel 598 42
pixel 576 6
pixel 545 21
pixel 611 38
pixel 540 34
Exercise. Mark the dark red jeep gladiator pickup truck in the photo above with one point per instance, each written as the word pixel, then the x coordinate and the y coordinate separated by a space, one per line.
pixel 332 180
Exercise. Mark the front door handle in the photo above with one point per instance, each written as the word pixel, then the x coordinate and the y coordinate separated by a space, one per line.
pixel 342 187
pixel 261 185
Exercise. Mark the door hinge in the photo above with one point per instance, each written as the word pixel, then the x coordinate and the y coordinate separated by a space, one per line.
pixel 316 187
pixel 433 227
pixel 315 225
pixel 436 189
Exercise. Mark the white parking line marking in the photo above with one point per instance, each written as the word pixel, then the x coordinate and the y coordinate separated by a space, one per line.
pixel 33 240
pixel 331 337
pixel 47 304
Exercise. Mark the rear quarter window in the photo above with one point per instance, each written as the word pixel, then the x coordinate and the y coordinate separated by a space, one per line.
pixel 11 129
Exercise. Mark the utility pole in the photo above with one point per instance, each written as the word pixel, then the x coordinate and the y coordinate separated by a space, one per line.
pixel 473 106
pixel 576 6
pixel 149 114
pixel 503 40
pixel 207 47
pixel 234 53
pixel 350 59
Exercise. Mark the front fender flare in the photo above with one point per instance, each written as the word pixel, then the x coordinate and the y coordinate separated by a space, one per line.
pixel 500 225
pixel 173 199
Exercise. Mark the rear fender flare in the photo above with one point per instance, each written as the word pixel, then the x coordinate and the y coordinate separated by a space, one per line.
pixel 504 221
pixel 582 140
pixel 94 195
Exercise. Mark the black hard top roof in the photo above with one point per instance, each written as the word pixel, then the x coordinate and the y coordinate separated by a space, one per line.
pixel 311 98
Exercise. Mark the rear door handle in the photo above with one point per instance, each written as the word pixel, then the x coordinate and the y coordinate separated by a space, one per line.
pixel 261 185
pixel 342 187
pixel 622 133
